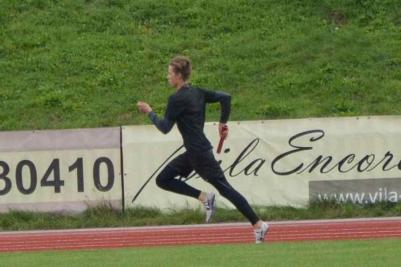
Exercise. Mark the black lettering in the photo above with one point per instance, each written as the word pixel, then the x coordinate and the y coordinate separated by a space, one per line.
pixel 258 162
pixel 79 166
pixel 33 177
pixel 319 160
pixel 56 182
pixel 244 154
pixel 110 174
pixel 318 135
pixel 348 159
pixel 4 178
pixel 369 159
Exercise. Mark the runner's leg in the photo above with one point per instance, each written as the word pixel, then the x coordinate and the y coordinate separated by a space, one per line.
pixel 167 178
pixel 209 169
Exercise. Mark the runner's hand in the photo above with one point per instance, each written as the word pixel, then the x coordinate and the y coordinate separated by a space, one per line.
pixel 223 130
pixel 143 107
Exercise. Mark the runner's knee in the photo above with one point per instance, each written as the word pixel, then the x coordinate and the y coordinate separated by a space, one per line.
pixel 165 176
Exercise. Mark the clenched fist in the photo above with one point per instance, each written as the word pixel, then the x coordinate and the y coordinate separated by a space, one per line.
pixel 143 107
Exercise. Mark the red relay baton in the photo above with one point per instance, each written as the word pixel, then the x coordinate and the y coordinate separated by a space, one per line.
pixel 220 146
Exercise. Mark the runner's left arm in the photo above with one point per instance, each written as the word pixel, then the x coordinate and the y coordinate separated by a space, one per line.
pixel 225 102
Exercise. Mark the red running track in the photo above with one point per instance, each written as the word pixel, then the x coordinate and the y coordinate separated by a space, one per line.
pixel 198 234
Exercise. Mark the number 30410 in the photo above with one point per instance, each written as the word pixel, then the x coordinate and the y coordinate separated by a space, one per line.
pixel 26 176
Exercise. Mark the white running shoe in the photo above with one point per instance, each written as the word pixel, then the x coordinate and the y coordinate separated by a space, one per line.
pixel 261 233
pixel 210 206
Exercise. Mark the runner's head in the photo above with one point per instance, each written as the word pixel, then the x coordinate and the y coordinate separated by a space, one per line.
pixel 179 71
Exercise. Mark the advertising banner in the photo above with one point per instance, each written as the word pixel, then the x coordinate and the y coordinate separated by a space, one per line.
pixel 60 170
pixel 277 162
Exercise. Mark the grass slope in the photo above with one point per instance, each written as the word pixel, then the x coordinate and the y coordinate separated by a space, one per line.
pixel 85 63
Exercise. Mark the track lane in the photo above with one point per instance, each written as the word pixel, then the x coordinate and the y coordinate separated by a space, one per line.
pixel 198 234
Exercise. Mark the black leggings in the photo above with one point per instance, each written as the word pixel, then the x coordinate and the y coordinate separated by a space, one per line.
pixel 167 180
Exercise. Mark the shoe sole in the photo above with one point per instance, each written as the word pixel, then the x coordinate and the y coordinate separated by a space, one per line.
pixel 264 236
pixel 213 209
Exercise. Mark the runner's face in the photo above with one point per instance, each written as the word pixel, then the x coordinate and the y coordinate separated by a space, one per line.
pixel 173 78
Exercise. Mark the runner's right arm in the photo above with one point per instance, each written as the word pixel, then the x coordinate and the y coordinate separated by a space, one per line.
pixel 173 110
pixel 164 125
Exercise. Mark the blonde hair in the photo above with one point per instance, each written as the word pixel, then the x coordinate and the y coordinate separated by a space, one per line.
pixel 182 65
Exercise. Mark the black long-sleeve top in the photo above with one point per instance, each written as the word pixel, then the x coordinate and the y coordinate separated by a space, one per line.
pixel 187 108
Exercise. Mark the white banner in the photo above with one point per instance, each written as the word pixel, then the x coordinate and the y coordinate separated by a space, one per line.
pixel 278 162
pixel 63 170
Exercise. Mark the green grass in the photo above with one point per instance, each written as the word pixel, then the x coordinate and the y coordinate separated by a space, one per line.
pixel 104 216
pixel 332 253
pixel 85 63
